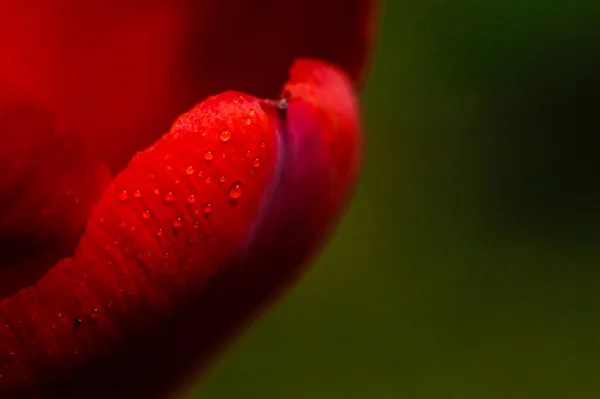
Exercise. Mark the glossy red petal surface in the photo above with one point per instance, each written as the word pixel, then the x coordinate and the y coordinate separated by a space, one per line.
pixel 190 240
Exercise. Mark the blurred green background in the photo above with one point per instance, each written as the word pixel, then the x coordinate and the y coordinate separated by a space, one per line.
pixel 467 266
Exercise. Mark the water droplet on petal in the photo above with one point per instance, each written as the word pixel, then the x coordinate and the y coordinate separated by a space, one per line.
pixel 95 313
pixel 76 322
pixel 235 190
pixel 123 195
pixel 191 199
pixel 248 153
pixel 196 224
pixel 146 214
pixel 169 196
pixel 208 180
pixel 224 136
pixel 156 191
pixel 222 179
pixel 137 194
pixel 207 208
pixel 256 162
pixel 200 174
pixel 189 170
pixel 248 122
pixel 252 112
pixel 177 223
pixel 262 144
pixel 208 155
pixel 123 224
pixel 159 232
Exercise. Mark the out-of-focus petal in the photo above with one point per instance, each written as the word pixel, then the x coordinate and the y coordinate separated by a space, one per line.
pixel 121 71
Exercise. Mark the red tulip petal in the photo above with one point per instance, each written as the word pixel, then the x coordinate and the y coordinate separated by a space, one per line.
pixel 122 71
pixel 48 186
pixel 190 239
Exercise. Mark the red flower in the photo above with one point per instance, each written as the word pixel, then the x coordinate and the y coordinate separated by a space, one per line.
pixel 116 287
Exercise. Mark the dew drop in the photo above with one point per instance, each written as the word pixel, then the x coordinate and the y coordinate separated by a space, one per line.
pixel 169 196
pixel 262 144
pixel 189 170
pixel 235 190
pixel 256 162
pixel 122 224
pixel 76 322
pixel 224 136
pixel 208 180
pixel 200 174
pixel 137 194
pixel 191 199
pixel 222 179
pixel 177 223
pixel 159 232
pixel 196 224
pixel 248 153
pixel 146 214
pixel 123 195
pixel 252 112
pixel 208 155
pixel 156 191
pixel 207 208
pixel 248 122
pixel 95 313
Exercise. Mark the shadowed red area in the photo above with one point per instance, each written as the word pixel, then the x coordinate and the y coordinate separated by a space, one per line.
pixel 48 185
pixel 124 70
